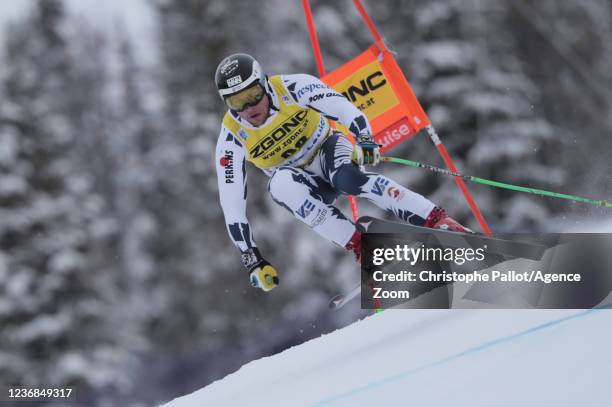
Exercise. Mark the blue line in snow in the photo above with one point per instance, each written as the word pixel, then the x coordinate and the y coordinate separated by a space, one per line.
pixel 475 349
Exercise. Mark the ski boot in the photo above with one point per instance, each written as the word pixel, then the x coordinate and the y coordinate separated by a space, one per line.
pixel 354 245
pixel 439 219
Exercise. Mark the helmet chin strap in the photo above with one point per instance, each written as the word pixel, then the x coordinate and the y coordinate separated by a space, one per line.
pixel 271 105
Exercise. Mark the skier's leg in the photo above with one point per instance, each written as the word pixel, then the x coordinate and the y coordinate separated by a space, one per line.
pixel 347 178
pixel 335 165
pixel 309 198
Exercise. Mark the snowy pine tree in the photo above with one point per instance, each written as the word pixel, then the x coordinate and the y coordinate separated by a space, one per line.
pixel 57 289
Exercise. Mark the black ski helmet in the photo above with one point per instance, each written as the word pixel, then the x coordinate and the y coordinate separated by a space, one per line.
pixel 237 72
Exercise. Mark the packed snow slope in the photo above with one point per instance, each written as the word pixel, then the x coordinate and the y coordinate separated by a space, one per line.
pixel 434 358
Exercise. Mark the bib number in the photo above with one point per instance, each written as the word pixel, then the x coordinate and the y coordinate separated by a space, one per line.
pixel 298 144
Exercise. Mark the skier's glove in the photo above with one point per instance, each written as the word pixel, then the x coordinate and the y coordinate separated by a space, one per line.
pixel 366 151
pixel 261 273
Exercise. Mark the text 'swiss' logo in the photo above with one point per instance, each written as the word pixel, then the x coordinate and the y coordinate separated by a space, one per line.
pixel 287 127
pixel 365 86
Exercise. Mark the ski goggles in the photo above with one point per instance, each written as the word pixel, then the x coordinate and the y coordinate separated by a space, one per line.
pixel 247 98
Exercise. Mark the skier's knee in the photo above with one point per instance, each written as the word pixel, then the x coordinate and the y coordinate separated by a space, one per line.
pixel 279 181
pixel 349 179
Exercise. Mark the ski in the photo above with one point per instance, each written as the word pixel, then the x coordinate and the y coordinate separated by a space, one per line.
pixel 341 300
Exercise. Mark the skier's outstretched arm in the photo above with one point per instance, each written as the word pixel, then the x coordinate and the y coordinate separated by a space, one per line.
pixel 230 161
pixel 310 92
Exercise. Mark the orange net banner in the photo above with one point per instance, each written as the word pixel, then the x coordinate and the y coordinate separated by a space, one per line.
pixel 375 84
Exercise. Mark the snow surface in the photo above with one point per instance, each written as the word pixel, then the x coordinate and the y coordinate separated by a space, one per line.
pixel 434 358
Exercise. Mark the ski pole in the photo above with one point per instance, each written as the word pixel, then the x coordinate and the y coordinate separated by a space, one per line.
pixel 601 203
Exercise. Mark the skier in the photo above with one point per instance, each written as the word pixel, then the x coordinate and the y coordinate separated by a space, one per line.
pixel 281 125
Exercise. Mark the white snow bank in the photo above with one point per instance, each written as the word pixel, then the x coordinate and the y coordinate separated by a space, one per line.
pixel 434 358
